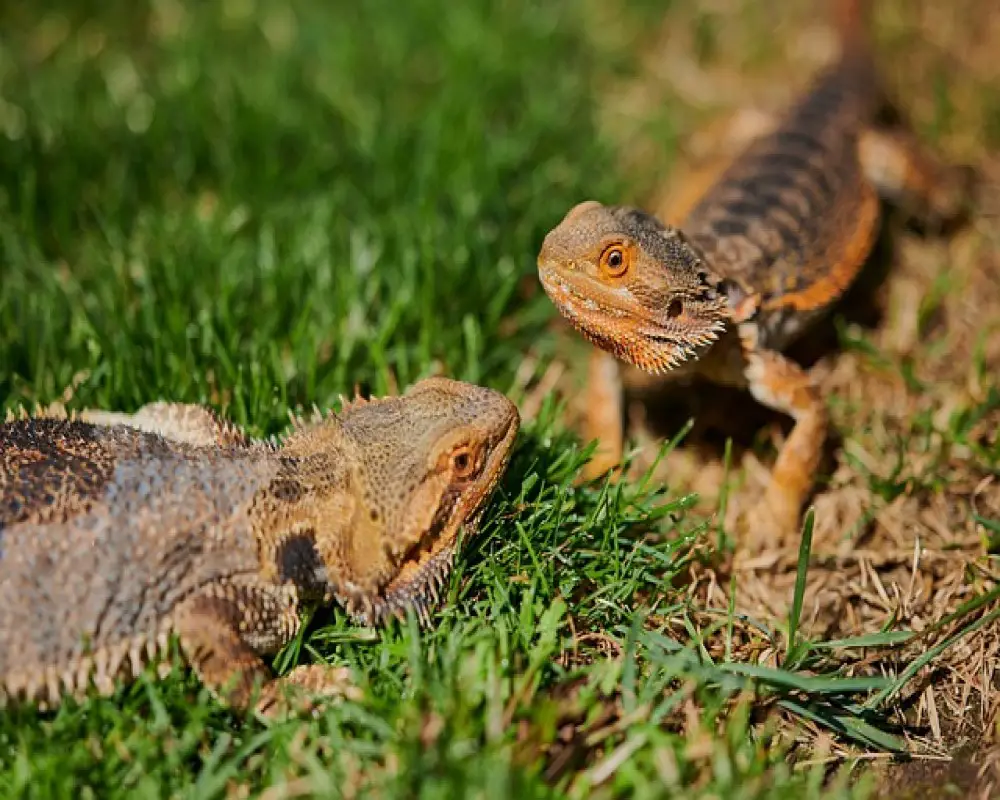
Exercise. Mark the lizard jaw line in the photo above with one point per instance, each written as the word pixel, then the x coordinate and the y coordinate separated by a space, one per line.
pixel 422 588
pixel 417 593
pixel 643 343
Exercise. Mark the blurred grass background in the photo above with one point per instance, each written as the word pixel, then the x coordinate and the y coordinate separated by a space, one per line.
pixel 264 203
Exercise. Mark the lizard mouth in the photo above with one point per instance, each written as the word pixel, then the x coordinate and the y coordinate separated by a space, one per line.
pixel 428 563
pixel 611 319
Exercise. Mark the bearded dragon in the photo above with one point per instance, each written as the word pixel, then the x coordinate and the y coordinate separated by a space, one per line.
pixel 120 531
pixel 766 244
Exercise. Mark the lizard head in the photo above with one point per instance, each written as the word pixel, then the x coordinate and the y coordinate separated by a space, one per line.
pixel 424 464
pixel 632 285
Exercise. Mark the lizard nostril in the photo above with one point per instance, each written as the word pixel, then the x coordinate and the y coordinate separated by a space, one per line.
pixel 675 309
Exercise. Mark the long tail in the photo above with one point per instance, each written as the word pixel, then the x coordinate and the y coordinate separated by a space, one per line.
pixel 852 19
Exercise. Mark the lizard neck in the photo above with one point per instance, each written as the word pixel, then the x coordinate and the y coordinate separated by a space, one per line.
pixel 300 518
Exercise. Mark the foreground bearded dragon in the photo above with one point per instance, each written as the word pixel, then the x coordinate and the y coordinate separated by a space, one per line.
pixel 117 531
pixel 763 248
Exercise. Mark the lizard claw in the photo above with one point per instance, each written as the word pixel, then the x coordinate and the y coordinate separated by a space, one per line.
pixel 304 690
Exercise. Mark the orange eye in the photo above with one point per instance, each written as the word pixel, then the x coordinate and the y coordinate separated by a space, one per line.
pixel 463 462
pixel 615 261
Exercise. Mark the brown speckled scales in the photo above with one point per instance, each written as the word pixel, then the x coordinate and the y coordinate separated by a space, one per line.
pixel 117 531
pixel 794 217
pixel 754 252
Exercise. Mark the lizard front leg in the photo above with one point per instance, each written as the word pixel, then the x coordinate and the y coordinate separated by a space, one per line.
pixel 603 418
pixel 784 386
pixel 221 633
pixel 185 423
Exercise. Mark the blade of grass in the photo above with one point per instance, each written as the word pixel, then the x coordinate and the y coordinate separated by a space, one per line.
pixel 802 570
pixel 926 657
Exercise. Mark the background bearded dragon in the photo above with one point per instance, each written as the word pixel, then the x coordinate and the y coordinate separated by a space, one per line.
pixel 765 246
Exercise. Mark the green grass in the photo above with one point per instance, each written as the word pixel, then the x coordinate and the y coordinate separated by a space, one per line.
pixel 260 205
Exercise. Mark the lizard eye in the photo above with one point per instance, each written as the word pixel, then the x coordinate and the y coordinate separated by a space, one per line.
pixel 463 463
pixel 675 309
pixel 615 261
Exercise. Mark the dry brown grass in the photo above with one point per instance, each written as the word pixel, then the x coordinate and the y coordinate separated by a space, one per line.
pixel 915 401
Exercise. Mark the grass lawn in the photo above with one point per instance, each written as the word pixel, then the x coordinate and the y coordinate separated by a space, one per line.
pixel 260 204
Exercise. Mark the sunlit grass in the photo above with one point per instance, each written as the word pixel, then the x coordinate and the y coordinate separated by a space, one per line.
pixel 261 206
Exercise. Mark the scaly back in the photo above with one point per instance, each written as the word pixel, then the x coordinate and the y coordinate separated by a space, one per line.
pixel 792 217
pixel 104 530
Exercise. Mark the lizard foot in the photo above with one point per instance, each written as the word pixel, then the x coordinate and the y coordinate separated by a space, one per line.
pixel 600 464
pixel 304 690
pixel 767 524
